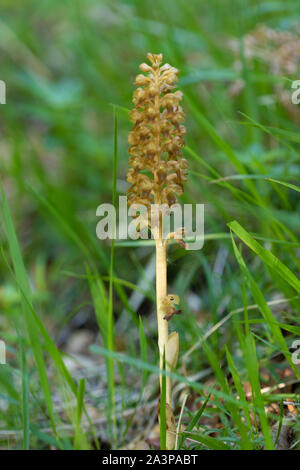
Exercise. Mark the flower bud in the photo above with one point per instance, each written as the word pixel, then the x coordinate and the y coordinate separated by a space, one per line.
pixel 141 80
pixel 151 113
pixel 145 67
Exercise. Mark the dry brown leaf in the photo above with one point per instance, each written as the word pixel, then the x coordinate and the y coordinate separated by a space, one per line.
pixel 171 428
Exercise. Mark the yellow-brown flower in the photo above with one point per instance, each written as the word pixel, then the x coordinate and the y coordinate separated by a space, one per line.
pixel 157 170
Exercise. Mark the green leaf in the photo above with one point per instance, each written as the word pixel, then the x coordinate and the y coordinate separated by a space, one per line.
pixel 253 372
pixel 238 384
pixel 80 439
pixel 280 423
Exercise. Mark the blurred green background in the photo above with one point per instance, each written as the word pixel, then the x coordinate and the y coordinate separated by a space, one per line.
pixel 65 65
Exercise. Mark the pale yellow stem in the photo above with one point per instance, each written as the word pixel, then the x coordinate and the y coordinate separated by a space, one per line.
pixel 161 293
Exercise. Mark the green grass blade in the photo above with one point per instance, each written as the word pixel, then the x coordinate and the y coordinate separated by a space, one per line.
pixel 287 185
pixel 210 442
pixel 271 260
pixel 264 308
pixel 144 356
pixel 54 353
pixel 138 364
pixel 110 319
pixel 238 384
pixel 193 421
pixel 22 280
pixel 25 397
